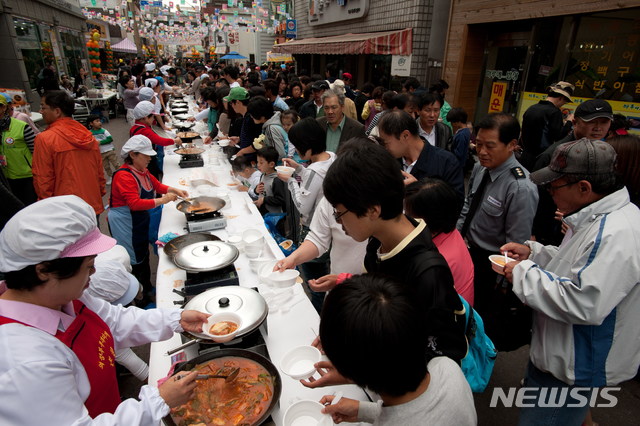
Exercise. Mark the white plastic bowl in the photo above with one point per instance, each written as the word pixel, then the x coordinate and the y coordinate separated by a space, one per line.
pixel 265 270
pixel 299 362
pixel 283 279
pixel 224 142
pixel 258 262
pixel 252 237
pixel 252 251
pixel 497 263
pixel 222 316
pixel 285 170
pixel 236 240
pixel 306 413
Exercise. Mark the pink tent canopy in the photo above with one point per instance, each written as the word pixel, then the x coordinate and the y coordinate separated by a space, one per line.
pixel 125 45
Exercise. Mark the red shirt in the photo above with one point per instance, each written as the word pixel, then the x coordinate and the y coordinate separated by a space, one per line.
pixel 147 131
pixel 126 192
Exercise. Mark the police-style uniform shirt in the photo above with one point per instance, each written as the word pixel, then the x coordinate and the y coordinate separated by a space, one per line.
pixel 507 210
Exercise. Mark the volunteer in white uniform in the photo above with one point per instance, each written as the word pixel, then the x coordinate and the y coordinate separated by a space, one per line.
pixel 57 350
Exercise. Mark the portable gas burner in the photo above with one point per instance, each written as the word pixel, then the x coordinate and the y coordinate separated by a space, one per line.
pixel 191 160
pixel 206 222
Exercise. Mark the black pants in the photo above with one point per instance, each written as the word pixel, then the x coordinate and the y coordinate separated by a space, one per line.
pixel 23 189
pixel 506 320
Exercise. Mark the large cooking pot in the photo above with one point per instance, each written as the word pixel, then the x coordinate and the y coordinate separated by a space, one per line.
pixel 241 353
pixel 200 205
pixel 178 243
pixel 243 301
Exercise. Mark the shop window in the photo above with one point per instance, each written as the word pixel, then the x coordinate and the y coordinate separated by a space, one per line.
pixel 29 43
pixel 604 59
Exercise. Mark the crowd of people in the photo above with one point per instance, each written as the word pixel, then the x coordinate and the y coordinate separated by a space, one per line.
pixel 389 239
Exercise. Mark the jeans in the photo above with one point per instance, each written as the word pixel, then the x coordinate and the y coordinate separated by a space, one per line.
pixel 549 416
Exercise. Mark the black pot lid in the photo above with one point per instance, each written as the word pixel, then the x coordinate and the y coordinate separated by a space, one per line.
pixel 205 256
pixel 244 301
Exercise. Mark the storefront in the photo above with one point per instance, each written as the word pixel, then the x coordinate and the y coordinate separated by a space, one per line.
pixel 368 38
pixel 507 66
pixel 43 33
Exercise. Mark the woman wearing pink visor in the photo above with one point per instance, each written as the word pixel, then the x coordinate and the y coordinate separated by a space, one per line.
pixel 57 358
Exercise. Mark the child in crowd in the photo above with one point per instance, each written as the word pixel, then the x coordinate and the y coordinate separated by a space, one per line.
pixel 107 149
pixel 287 119
pixel 271 190
pixel 365 320
pixel 246 172
pixel 420 197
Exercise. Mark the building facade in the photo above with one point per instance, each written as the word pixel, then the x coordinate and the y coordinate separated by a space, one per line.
pixel 503 57
pixel 36 33
pixel 363 37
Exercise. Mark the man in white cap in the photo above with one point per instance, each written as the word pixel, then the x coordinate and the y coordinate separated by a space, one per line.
pixel 585 293
pixel 144 114
pixel 58 343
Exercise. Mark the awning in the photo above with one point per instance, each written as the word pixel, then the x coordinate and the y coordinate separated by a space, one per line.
pixel 397 42
pixel 125 45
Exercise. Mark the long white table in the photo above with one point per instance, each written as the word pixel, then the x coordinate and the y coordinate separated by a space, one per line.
pixel 288 327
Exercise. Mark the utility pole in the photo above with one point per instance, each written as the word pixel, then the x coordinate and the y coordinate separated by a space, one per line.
pixel 132 6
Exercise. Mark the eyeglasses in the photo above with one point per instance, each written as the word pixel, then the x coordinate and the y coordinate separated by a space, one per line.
pixel 552 188
pixel 338 215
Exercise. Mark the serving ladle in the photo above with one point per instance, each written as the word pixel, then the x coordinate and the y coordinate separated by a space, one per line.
pixel 227 379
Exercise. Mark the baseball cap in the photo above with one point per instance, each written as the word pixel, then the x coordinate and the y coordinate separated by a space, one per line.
pixel 111 282
pixel 5 99
pixel 146 93
pixel 137 143
pixel 320 85
pixel 583 157
pixel 150 67
pixel 53 228
pixel 563 88
pixel 594 108
pixel 237 94
pixel 143 109
pixel 347 75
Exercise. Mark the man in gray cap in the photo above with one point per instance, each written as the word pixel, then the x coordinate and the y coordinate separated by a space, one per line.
pixel 542 123
pixel 313 108
pixel 585 294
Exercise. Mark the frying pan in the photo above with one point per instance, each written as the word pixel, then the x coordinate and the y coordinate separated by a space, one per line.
pixel 213 202
pixel 241 353
pixel 189 151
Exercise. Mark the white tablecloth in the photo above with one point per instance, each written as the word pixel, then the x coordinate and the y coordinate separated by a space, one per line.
pixel 288 327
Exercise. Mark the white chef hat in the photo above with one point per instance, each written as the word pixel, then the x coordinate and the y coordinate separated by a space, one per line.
pixel 111 282
pixel 151 82
pixel 137 143
pixel 146 93
pixel 142 109
pixel 150 67
pixel 116 253
pixel 53 228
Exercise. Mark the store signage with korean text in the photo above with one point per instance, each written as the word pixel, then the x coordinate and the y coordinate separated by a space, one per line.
pixel 400 65
pixel 326 12
pixel 498 93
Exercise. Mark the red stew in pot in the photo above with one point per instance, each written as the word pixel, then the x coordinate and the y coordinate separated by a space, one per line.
pixel 240 402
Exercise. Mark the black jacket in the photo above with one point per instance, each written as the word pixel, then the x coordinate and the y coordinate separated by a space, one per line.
pixel 420 266
pixel 436 162
pixel 541 126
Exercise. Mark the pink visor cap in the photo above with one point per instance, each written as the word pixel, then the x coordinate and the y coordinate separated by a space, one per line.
pixel 53 228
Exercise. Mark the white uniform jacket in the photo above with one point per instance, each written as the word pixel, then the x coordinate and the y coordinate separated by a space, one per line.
pixel 43 383
pixel 585 295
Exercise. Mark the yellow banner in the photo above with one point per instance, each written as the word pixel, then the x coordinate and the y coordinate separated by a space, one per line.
pixel 498 92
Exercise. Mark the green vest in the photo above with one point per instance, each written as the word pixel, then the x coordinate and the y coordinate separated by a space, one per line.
pixel 16 152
